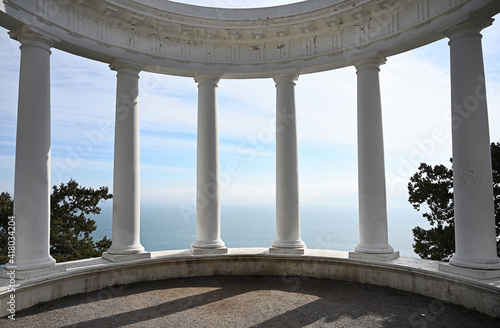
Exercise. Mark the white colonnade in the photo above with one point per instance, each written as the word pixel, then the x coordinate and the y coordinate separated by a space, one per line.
pixel 474 214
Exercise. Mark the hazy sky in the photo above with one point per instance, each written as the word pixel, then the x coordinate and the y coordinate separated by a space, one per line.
pixel 415 91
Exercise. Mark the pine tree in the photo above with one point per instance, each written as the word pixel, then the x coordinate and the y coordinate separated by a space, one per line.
pixel 70 226
pixel 432 188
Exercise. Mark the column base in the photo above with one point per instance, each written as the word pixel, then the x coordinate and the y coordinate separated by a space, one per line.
pixel 208 251
pixel 205 247
pixel 480 264
pixel 29 265
pixel 125 250
pixel 278 243
pixel 118 258
pixel 374 256
pixel 294 247
pixel 31 274
pixel 474 273
pixel 287 251
pixel 374 249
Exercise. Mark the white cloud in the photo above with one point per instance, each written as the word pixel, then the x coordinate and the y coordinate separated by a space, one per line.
pixel 161 113
pixel 415 98
pixel 330 193
pixel 166 168
pixel 413 103
pixel 326 108
pixel 249 193
pixel 156 145
pixel 168 194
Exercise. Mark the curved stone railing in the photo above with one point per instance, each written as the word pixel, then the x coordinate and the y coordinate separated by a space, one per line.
pixel 173 38
pixel 408 274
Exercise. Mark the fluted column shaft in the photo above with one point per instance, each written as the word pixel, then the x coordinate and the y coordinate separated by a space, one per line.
pixel 475 240
pixel 32 166
pixel 287 169
pixel 208 239
pixel 126 173
pixel 373 232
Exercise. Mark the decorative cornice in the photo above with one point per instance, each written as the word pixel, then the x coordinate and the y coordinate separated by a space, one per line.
pixel 30 32
pixel 308 36
pixel 472 23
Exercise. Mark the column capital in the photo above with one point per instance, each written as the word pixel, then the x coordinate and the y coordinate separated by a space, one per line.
pixel 28 33
pixel 285 76
pixel 207 78
pixel 120 65
pixel 370 62
pixel 288 78
pixel 472 25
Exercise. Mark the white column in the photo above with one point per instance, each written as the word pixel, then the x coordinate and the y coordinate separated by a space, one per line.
pixel 373 234
pixel 287 170
pixel 208 240
pixel 126 173
pixel 32 167
pixel 475 238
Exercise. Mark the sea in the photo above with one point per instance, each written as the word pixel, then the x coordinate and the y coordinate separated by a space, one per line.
pixel 169 227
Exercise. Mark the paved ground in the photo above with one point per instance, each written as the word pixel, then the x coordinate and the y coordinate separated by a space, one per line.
pixel 248 302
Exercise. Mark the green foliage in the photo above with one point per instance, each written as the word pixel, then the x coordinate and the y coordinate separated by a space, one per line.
pixel 70 228
pixel 70 239
pixel 495 163
pixel 432 188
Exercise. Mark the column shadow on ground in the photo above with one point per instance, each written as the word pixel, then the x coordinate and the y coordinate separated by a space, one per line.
pixel 253 302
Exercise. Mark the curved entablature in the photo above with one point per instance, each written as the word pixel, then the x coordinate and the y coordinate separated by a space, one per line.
pixel 179 39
